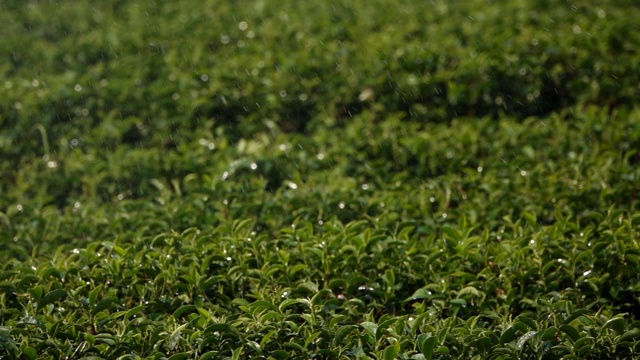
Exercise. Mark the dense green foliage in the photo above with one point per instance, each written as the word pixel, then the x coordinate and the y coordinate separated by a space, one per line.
pixel 348 179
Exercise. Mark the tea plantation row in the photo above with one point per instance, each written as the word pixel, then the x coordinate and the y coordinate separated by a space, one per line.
pixel 276 180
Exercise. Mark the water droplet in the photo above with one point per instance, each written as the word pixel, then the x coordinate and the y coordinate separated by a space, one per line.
pixel 577 30
pixel 365 95
pixel 586 273
pixel 229 258
pixel 532 242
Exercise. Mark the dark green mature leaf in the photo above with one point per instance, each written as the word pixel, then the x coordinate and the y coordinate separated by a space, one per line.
pixel 183 310
pixel 104 304
pixel 427 345
pixel 617 324
pixel 30 353
pixel 342 333
pixel 390 352
pixel 508 335
pixel 179 356
pixel 571 332
pixel 51 297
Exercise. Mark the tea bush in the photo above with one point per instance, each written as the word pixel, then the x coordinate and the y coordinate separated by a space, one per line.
pixel 361 179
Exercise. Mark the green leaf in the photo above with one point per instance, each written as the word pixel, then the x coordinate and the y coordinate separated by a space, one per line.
pixel 288 302
pixel 419 294
pixel 93 295
pixel 532 324
pixel 452 233
pixel 281 354
pixel 549 333
pixel 106 338
pixel 508 335
pixel 136 310
pixel 184 309
pixel 630 334
pixel 571 332
pixel 222 328
pixel 311 338
pixel 574 315
pixel 260 305
pixel 104 304
pixel 342 333
pixel 36 292
pixel 30 353
pixel 179 356
pixel 370 327
pixel 209 355
pixel 427 344
pixel 585 341
pixel 617 324
pixel 531 218
pixel 51 297
pixel 390 353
